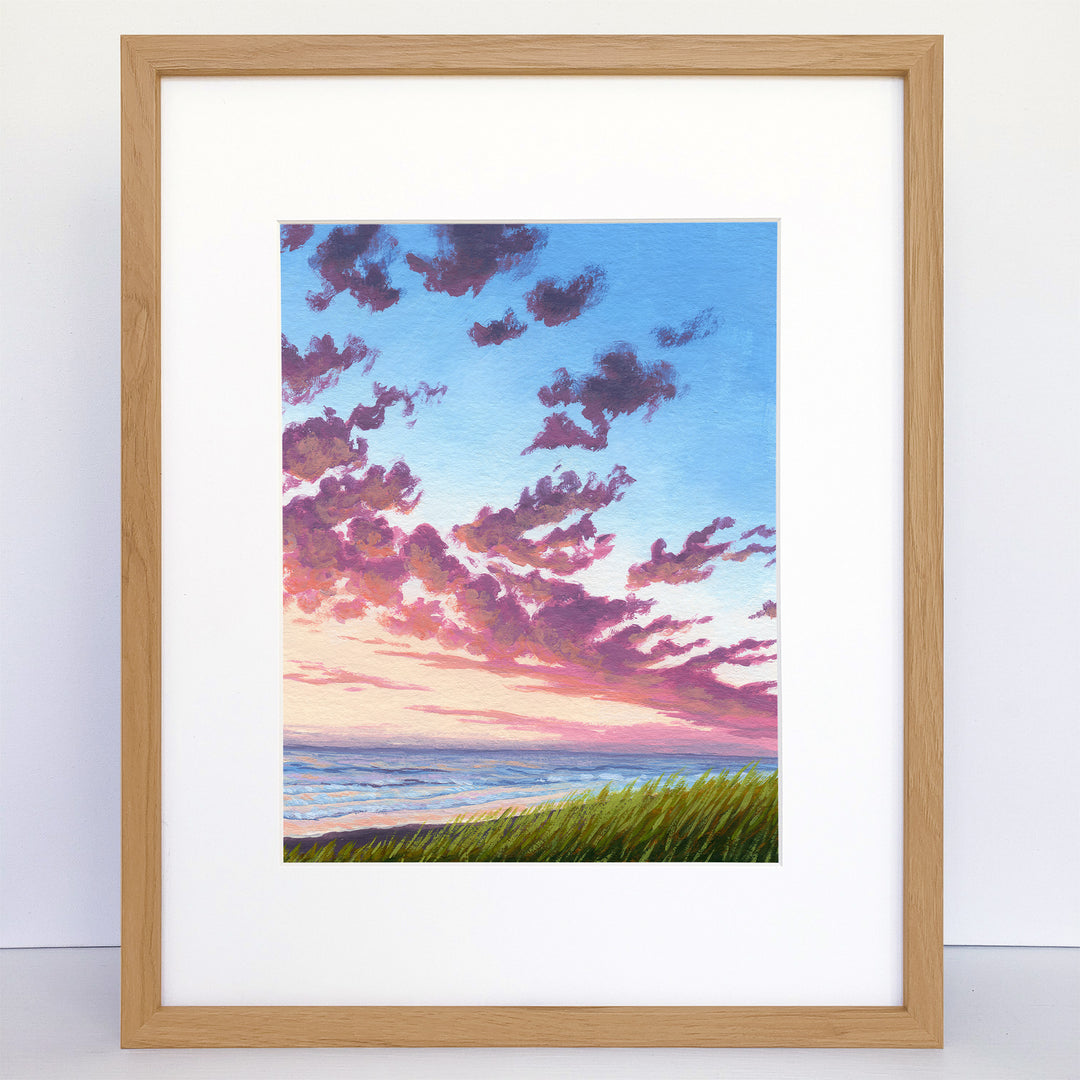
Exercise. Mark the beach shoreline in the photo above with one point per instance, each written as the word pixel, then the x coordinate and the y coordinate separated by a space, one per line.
pixel 488 801
pixel 714 819
pixel 383 823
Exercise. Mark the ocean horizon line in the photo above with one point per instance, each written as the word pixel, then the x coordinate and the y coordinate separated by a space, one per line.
pixel 530 750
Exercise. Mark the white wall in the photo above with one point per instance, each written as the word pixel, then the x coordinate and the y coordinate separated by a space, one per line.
pixel 1012 491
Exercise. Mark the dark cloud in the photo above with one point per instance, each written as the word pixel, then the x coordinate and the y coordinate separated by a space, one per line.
pixel 560 430
pixel 495 333
pixel 767 611
pixel 747 653
pixel 626 646
pixel 354 259
pixel 470 256
pixel 562 550
pixel 321 443
pixel 369 417
pixel 689 564
pixel 619 384
pixel 305 375
pixel 700 326
pixel 554 303
pixel 295 236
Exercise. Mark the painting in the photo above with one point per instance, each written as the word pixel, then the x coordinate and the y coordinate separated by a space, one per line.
pixel 529 542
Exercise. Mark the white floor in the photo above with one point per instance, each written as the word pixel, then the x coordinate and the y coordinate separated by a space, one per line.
pixel 1009 1013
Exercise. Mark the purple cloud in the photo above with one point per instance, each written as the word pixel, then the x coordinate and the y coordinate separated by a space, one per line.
pixel 305 375
pixel 742 554
pixel 354 259
pixel 495 333
pixel 562 550
pixel 560 430
pixel 470 256
pixel 747 653
pixel 700 326
pixel 687 565
pixel 369 417
pixel 759 530
pixel 553 303
pixel 619 384
pixel 321 443
pixel 295 236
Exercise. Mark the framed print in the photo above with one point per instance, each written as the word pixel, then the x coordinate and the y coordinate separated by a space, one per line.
pixel 551 650
pixel 557 660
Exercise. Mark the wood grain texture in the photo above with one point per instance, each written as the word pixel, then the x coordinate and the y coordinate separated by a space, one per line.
pixel 144 1022
pixel 923 524
pixel 533 1026
pixel 140 344
pixel 532 55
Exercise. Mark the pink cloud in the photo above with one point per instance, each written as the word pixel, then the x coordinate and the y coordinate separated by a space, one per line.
pixel 742 554
pixel 686 565
pixel 584 735
pixel 320 560
pixel 759 530
pixel 315 674
pixel 321 443
pixel 687 691
pixel 369 417
pixel 562 550
pixel 305 375
pixel 512 720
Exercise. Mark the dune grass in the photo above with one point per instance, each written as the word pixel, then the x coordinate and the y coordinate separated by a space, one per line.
pixel 720 817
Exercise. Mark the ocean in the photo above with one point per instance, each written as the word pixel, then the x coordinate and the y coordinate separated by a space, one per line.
pixel 329 789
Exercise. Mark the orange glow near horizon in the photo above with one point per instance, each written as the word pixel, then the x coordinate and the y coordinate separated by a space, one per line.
pixel 354 684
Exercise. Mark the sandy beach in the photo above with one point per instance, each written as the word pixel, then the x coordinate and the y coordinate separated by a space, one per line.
pixel 381 824
pixel 360 837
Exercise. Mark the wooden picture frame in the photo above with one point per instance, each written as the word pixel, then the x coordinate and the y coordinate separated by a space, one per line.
pixel 918 1022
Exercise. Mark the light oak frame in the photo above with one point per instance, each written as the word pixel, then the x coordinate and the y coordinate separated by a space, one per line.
pixel 918 1022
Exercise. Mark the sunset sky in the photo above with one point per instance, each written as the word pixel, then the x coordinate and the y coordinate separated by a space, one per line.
pixel 540 510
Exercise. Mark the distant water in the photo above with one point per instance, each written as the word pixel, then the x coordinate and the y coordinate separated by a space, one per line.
pixel 324 783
